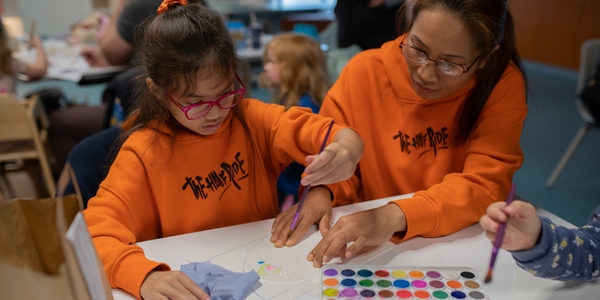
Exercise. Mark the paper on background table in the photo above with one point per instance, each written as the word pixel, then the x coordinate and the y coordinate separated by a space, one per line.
pixel 59 51
pixel 79 237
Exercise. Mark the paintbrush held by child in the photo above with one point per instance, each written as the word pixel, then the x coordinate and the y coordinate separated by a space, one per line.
pixel 543 248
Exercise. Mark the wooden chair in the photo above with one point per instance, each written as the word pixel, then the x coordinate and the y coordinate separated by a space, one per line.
pixel 23 132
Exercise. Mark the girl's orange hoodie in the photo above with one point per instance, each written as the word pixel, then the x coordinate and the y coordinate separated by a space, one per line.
pixel 156 189
pixel 408 143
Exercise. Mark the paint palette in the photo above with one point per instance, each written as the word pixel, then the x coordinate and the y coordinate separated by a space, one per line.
pixel 401 283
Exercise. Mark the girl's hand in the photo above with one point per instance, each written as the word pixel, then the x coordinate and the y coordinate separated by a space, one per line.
pixel 371 227
pixel 174 285
pixel 523 227
pixel 316 209
pixel 338 160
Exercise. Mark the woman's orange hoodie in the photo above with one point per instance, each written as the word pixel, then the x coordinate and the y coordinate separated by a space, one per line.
pixel 157 189
pixel 408 143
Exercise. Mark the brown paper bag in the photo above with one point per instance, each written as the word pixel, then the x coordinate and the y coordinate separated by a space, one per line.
pixel 36 259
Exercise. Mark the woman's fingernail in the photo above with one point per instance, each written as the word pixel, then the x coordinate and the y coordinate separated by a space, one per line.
pixel 315 264
pixel 348 254
pixel 325 258
pixel 310 257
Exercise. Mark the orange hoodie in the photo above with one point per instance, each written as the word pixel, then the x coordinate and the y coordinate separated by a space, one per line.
pixel 157 189
pixel 408 143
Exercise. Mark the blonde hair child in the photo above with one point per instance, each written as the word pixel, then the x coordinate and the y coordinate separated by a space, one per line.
pixel 295 68
pixel 296 74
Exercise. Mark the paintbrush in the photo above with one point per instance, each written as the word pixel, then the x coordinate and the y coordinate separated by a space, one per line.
pixel 500 235
pixel 306 188
pixel 31 33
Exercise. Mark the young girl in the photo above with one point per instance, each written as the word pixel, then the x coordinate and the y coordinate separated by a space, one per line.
pixel 296 73
pixel 10 66
pixel 441 110
pixel 197 155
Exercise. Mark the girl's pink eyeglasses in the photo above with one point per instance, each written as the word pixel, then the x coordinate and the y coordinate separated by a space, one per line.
pixel 200 109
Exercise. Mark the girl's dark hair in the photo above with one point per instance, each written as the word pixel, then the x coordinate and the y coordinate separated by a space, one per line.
pixel 490 25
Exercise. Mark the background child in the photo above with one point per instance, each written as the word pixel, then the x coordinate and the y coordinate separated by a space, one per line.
pixel 543 248
pixel 197 155
pixel 9 66
pixel 296 74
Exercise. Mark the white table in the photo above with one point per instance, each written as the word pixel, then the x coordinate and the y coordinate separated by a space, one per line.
pixel 466 248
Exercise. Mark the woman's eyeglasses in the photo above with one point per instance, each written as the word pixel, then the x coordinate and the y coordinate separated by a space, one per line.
pixel 445 67
pixel 200 109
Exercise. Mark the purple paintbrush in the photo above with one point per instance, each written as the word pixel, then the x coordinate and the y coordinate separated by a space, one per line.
pixel 500 235
pixel 306 188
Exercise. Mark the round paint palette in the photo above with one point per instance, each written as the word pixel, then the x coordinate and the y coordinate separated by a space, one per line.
pixel 401 283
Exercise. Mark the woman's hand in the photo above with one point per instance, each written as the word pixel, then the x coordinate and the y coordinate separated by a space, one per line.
pixel 338 160
pixel 371 227
pixel 174 285
pixel 316 209
pixel 523 227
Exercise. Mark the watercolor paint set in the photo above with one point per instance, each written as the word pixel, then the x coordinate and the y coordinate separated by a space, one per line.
pixel 401 283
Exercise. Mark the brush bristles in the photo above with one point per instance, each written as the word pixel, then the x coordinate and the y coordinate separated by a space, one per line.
pixel 488 278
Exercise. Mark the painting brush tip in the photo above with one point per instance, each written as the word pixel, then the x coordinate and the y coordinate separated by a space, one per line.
pixel 488 278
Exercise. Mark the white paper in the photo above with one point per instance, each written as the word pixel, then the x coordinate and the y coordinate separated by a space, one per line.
pixel 242 255
pixel 528 287
pixel 81 241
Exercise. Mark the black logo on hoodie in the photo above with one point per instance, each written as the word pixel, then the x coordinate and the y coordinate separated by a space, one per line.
pixel 423 142
pixel 216 181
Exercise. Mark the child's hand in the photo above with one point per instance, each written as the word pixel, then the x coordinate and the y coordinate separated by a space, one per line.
pixel 35 42
pixel 95 57
pixel 367 229
pixel 173 285
pixel 523 227
pixel 316 209
pixel 338 160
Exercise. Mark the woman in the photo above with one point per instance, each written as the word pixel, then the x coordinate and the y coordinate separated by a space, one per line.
pixel 441 110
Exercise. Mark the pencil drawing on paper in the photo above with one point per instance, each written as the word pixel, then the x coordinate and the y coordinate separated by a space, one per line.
pixel 287 264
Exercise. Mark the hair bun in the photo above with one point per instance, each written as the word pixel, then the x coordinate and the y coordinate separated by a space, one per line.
pixel 167 3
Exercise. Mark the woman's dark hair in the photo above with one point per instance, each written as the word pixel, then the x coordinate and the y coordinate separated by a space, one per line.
pixel 490 25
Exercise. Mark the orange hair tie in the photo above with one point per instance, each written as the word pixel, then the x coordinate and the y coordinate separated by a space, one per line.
pixel 166 3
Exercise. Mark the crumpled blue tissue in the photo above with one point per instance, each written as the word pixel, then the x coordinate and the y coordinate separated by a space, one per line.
pixel 220 283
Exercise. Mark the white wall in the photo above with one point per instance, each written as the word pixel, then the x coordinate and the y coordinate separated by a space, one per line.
pixel 52 16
